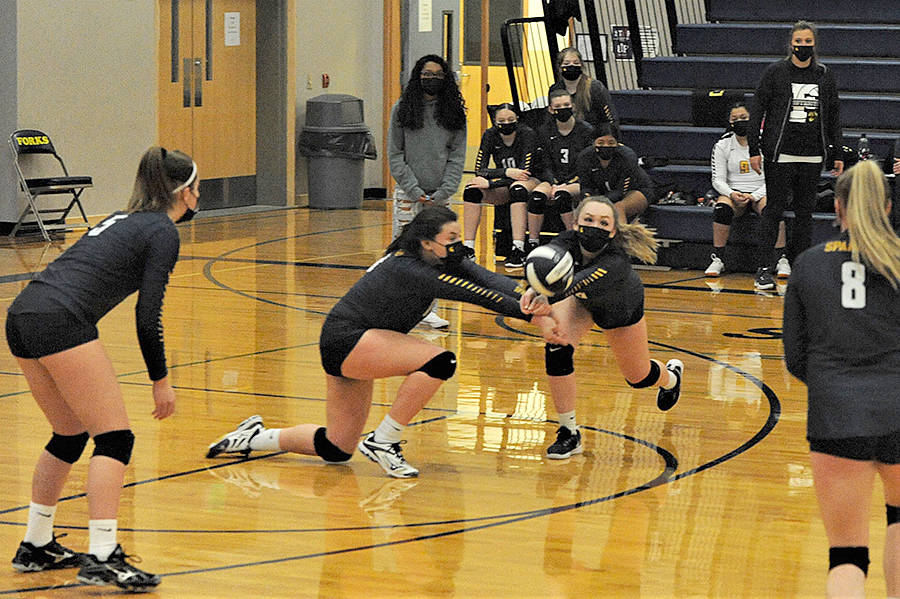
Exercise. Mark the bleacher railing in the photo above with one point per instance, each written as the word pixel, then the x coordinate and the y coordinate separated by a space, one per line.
pixel 621 33
pixel 529 52
pixel 613 36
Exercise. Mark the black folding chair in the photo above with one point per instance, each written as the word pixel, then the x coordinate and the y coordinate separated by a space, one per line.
pixel 25 145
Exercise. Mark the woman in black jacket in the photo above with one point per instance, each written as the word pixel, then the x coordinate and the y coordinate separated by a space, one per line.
pixel 797 101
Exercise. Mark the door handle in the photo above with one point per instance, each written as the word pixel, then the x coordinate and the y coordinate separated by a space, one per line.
pixel 186 84
pixel 198 82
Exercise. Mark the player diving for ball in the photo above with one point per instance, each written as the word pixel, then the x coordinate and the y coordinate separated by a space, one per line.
pixel 365 338
pixel 607 292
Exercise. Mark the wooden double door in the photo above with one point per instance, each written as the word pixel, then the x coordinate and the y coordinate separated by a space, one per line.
pixel 207 93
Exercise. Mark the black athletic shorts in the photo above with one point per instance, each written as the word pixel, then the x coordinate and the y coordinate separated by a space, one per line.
pixel 32 335
pixel 337 340
pixel 884 449
pixel 618 314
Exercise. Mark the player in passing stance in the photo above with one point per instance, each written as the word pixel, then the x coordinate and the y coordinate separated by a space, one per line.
pixel 842 338
pixel 607 292
pixel 51 330
pixel 365 338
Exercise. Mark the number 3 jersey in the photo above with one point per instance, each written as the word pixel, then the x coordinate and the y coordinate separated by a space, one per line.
pixel 123 254
pixel 842 338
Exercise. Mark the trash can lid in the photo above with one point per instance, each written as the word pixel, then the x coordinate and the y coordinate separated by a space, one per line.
pixel 328 110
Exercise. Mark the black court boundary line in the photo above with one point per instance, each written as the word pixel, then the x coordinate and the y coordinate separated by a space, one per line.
pixel 666 477
pixel 671 464
pixel 772 420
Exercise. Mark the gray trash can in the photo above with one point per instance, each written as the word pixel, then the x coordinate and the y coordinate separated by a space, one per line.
pixel 335 141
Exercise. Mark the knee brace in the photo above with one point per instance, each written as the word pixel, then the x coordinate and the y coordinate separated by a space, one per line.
pixel 648 381
pixel 558 359
pixel 858 556
pixel 442 366
pixel 537 203
pixel 519 194
pixel 723 213
pixel 115 444
pixel 893 514
pixel 473 195
pixel 327 450
pixel 563 200
pixel 67 448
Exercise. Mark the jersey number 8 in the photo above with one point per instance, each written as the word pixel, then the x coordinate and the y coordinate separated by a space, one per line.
pixel 853 288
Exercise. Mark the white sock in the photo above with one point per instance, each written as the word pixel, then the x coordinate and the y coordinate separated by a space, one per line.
pixel 469 243
pixel 673 379
pixel 568 420
pixel 519 245
pixel 389 431
pixel 40 524
pixel 266 440
pixel 102 535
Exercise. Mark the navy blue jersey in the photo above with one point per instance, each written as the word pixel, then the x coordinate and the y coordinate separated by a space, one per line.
pixel 842 338
pixel 558 152
pixel 607 286
pixel 122 254
pixel 521 154
pixel 614 181
pixel 397 291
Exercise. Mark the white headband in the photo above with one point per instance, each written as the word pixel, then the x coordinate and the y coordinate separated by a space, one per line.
pixel 189 179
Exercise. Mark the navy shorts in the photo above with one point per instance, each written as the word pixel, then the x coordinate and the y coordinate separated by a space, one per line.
pixel 617 315
pixel 33 336
pixel 337 340
pixel 884 449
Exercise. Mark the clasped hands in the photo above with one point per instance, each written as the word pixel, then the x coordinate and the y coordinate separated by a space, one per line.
pixel 540 309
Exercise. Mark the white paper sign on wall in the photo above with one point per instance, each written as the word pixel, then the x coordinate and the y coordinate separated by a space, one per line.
pixel 232 29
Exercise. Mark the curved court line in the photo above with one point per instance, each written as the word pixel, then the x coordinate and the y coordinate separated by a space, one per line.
pixel 671 464
pixel 667 476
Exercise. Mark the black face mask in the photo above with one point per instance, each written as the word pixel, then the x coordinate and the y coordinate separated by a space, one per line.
pixel 456 253
pixel 593 239
pixel 432 86
pixel 188 214
pixel 803 53
pixel 740 128
pixel 571 72
pixel 507 128
pixel 606 152
pixel 562 114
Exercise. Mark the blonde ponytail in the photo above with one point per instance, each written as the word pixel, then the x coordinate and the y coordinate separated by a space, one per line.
pixel 864 193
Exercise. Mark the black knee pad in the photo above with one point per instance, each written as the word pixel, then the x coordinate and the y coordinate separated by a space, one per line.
pixel 537 203
pixel 473 195
pixel 67 448
pixel 858 556
pixel 327 450
pixel 115 444
pixel 893 514
pixel 519 194
pixel 442 366
pixel 723 213
pixel 651 379
pixel 563 200
pixel 558 359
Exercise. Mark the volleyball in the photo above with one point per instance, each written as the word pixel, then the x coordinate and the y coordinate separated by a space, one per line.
pixel 549 269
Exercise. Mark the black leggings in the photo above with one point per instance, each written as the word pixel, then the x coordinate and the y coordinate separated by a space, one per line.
pixel 794 184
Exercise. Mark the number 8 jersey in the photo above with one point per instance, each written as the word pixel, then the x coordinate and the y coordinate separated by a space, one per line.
pixel 842 338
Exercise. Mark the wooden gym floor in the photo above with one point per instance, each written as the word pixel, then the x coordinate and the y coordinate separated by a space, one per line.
pixel 712 499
